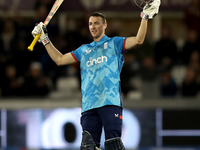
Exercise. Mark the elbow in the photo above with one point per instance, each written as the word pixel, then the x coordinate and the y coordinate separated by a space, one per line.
pixel 58 63
pixel 140 42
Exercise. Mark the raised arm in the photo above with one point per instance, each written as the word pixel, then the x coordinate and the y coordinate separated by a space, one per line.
pixel 139 38
pixel 150 10
pixel 55 55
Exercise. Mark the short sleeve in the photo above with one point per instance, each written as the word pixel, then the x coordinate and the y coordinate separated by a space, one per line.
pixel 120 44
pixel 77 54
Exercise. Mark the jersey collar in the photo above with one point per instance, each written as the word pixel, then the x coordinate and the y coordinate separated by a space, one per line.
pixel 102 40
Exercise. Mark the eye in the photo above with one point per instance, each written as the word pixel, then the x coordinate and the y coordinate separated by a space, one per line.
pixel 96 23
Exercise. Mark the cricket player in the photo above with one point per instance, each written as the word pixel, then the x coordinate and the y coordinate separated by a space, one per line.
pixel 100 63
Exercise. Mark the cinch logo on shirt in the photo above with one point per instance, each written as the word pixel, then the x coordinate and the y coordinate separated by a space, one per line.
pixel 99 60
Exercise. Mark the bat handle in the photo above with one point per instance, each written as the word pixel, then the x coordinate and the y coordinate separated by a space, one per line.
pixel 30 48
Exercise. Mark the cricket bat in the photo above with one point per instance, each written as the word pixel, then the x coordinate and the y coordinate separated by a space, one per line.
pixel 53 10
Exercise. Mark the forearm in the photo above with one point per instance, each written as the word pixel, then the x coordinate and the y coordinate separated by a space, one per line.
pixel 141 34
pixel 54 53
pixel 139 38
pixel 58 57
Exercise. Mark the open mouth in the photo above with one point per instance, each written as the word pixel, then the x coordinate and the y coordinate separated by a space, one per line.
pixel 94 31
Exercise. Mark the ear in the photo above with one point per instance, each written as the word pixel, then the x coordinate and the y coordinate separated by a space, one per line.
pixel 105 25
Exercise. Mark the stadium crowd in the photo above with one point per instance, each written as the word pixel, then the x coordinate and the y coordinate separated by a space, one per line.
pixel 25 73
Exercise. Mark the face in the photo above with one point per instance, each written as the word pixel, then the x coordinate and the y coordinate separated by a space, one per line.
pixel 96 27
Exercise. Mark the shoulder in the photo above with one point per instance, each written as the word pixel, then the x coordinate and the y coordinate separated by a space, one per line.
pixel 119 38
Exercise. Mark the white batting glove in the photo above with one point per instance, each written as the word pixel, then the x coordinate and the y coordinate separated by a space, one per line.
pixel 150 10
pixel 40 28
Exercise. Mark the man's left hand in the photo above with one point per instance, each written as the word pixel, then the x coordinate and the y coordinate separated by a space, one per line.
pixel 151 9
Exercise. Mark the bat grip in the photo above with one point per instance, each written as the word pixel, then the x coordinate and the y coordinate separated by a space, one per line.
pixel 30 48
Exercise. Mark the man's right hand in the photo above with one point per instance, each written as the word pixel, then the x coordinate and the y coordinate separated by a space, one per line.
pixel 150 10
pixel 40 28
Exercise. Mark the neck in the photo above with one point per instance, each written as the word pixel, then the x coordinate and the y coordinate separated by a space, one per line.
pixel 99 38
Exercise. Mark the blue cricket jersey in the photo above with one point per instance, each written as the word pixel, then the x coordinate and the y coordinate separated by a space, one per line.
pixel 101 63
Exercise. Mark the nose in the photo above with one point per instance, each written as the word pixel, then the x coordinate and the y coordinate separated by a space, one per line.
pixel 92 26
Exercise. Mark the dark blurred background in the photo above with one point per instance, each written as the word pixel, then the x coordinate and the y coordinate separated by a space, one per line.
pixel 165 66
pixel 160 79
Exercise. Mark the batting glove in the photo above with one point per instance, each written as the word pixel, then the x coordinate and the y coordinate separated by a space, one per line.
pixel 40 28
pixel 151 9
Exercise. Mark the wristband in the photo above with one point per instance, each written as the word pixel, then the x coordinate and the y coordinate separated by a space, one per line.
pixel 144 16
pixel 45 41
